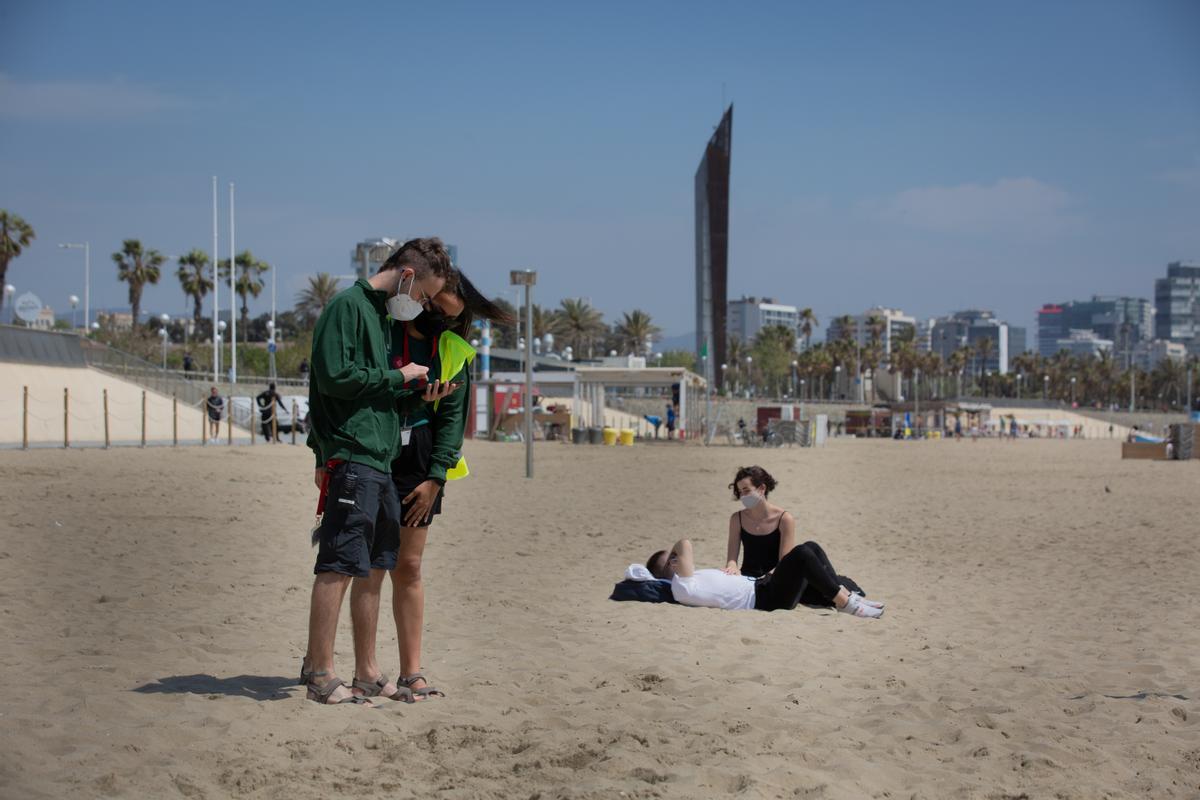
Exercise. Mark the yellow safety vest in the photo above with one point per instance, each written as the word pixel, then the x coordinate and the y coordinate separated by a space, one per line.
pixel 455 354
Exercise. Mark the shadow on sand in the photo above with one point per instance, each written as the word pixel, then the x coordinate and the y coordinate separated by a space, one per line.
pixel 256 687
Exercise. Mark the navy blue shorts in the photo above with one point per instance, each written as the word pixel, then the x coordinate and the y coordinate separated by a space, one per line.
pixel 360 530
pixel 411 468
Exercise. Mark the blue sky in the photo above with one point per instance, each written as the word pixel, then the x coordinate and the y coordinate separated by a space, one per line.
pixel 926 156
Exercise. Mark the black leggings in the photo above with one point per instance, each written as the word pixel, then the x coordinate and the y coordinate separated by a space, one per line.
pixel 804 575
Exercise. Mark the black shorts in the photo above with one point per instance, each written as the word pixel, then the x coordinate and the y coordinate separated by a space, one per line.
pixel 411 469
pixel 360 530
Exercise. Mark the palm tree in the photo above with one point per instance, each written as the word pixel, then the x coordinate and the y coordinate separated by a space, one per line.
pixel 634 330
pixel 247 283
pixel 808 322
pixel 581 324
pixel 773 349
pixel 545 320
pixel 15 236
pixel 312 299
pixel 192 278
pixel 137 267
pixel 983 348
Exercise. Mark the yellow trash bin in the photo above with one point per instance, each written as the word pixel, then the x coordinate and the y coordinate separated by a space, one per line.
pixel 610 436
pixel 627 437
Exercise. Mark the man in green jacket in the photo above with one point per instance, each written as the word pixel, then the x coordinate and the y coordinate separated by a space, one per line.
pixel 353 392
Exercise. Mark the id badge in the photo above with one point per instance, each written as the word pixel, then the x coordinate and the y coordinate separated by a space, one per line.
pixel 405 436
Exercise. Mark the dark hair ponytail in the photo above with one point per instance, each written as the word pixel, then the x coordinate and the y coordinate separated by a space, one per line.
pixel 475 306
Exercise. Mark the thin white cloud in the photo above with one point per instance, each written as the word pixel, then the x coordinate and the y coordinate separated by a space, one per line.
pixel 64 100
pixel 1183 176
pixel 1009 205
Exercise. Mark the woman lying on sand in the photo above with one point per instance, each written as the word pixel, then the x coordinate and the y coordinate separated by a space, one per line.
pixel 788 574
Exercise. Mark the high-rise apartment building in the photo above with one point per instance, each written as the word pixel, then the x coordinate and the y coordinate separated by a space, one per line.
pixel 749 315
pixel 893 325
pixel 1177 303
pixel 969 329
pixel 712 245
pixel 1124 321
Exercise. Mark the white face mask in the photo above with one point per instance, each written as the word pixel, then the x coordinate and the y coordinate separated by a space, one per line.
pixel 751 500
pixel 402 307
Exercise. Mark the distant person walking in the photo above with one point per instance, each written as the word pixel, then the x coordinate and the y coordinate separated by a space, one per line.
pixel 670 421
pixel 303 369
pixel 268 401
pixel 215 405
pixel 188 365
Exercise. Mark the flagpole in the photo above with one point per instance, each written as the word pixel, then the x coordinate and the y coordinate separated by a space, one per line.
pixel 216 291
pixel 232 297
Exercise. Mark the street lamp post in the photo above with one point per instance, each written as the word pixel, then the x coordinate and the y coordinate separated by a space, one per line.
pixel 74 300
pixel 527 278
pixel 749 362
pixel 917 400
pixel 87 276
pixel 164 319
pixel 1072 391
pixel 802 398
pixel 795 365
pixel 1045 388
pixel 837 378
pixel 271 345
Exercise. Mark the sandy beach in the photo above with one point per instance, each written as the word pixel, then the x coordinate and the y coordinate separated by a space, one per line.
pixel 1040 637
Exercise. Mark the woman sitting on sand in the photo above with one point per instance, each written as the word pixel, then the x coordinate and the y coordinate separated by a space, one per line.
pixel 766 531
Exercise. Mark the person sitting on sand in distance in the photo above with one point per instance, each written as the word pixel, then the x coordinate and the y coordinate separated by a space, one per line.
pixel 803 573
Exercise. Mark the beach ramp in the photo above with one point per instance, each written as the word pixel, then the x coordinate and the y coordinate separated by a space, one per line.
pixel 60 406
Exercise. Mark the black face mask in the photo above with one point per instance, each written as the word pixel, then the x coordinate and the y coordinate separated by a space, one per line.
pixel 433 323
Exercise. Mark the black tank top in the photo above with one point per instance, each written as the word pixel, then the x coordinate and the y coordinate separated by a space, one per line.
pixel 760 550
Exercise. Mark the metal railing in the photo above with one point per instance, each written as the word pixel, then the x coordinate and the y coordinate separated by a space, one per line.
pixel 190 387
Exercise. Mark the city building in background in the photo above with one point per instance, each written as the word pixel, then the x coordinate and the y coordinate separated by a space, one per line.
pixel 712 245
pixel 1148 355
pixel 971 327
pixel 1083 343
pixel 1177 303
pixel 1125 321
pixel 368 255
pixel 45 319
pixel 896 325
pixel 925 334
pixel 749 315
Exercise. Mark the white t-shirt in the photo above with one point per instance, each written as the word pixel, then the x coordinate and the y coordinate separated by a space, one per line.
pixel 712 588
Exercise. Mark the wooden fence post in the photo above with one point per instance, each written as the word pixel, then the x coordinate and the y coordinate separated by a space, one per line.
pixel 143 418
pixel 175 420
pixel 106 436
pixel 295 421
pixel 66 415
pixel 25 419
pixel 229 417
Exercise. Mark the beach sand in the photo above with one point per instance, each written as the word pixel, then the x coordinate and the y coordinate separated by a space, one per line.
pixel 1041 616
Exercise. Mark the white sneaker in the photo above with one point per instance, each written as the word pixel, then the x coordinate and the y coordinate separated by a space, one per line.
pixel 858 607
pixel 871 603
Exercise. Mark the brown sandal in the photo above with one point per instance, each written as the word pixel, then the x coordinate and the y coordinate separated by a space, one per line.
pixel 426 692
pixel 321 693
pixel 375 689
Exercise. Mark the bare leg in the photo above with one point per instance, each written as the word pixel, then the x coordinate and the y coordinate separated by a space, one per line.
pixel 364 615
pixel 408 599
pixel 328 590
